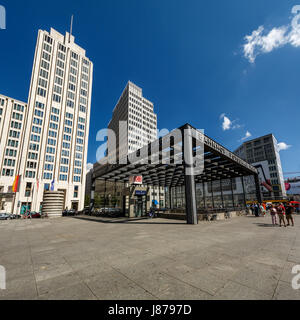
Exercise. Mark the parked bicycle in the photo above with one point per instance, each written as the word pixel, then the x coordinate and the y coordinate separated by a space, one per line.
pixel 152 213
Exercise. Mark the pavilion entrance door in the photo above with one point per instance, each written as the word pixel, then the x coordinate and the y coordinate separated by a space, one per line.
pixel 140 206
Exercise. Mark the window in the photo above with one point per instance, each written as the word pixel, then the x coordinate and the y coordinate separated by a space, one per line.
pixel 52 134
pixel 51 142
pixel 60 64
pixel 55 110
pixel 61 47
pixel 53 126
pixel 50 150
pixel 28 189
pixel 57 89
pixel 54 118
pixel 76 179
pixel 48 39
pixel 61 55
pixel 38 121
pixel 59 81
pixel 39 113
pixel 39 105
pixel 65 153
pixel 48 167
pixel 49 158
pixel 69 115
pixel 35 138
pixel 64 161
pixel 36 129
pixel 76 189
pixel 60 72
pixel 70 104
pixel 45 65
pixel 43 83
pixel 63 177
pixel 64 169
pixel 44 74
pixel 31 165
pixel 56 98
pixel 34 147
pixel 47 176
pixel 46 56
pixel 41 92
pixel 47 47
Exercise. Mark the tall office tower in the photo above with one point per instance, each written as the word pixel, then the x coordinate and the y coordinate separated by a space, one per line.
pixel 13 116
pixel 138 113
pixel 56 138
pixel 264 155
pixel 141 120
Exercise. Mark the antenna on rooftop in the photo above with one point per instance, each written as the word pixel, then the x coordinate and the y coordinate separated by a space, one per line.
pixel 71 27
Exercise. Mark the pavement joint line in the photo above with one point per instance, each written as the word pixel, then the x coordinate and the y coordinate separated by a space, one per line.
pixel 273 296
pixel 35 282
pixel 135 283
pixel 170 276
pixel 243 285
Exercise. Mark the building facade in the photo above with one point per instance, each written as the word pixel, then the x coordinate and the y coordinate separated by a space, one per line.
pixel 55 139
pixel 13 116
pixel 140 129
pixel 138 113
pixel 263 154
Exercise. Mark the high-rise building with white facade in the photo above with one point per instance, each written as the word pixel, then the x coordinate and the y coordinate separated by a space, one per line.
pixel 263 153
pixel 55 142
pixel 138 113
pixel 141 129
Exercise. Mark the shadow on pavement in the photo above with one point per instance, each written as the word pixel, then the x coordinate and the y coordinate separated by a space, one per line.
pixel 266 225
pixel 126 220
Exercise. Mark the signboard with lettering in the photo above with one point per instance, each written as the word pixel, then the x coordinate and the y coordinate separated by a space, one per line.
pixel 140 193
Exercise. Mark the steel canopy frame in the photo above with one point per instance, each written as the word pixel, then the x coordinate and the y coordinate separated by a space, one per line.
pixel 171 166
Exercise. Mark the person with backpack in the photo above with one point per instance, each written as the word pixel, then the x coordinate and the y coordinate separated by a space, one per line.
pixel 273 213
pixel 281 213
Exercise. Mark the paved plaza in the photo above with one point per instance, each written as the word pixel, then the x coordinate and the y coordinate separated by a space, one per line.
pixel 91 258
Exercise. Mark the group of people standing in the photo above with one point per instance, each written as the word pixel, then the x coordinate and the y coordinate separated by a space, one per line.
pixel 284 213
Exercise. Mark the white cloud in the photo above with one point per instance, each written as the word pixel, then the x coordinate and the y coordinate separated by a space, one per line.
pixel 248 135
pixel 89 167
pixel 282 146
pixel 260 42
pixel 226 125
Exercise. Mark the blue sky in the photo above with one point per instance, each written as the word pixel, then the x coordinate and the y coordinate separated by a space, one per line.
pixel 188 57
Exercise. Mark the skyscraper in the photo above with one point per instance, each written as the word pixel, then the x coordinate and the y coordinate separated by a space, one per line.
pixel 263 153
pixel 55 141
pixel 141 129
pixel 141 120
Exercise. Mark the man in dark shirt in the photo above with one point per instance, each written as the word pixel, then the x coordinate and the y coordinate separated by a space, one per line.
pixel 289 214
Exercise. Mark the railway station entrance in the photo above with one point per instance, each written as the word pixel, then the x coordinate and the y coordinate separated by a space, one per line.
pixel 194 173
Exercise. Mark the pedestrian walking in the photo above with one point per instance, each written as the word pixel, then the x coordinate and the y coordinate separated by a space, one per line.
pixel 256 210
pixel 273 213
pixel 262 210
pixel 281 213
pixel 289 215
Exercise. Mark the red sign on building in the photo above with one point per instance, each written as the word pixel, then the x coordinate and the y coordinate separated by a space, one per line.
pixel 136 180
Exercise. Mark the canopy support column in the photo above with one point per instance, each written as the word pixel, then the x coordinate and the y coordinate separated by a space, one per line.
pixel 92 200
pixel 190 185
